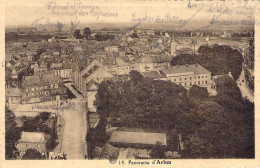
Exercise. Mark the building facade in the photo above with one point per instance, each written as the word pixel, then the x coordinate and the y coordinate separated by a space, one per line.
pixel 188 75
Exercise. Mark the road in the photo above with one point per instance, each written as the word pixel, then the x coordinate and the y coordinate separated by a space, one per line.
pixel 75 129
pixel 246 92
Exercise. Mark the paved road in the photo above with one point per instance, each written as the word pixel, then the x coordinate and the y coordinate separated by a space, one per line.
pixel 246 92
pixel 74 143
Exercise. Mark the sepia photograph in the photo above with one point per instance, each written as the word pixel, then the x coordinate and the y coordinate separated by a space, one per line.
pixel 100 81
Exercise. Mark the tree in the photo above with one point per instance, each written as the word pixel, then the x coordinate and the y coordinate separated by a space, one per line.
pixel 142 103
pixel 135 76
pixel 195 147
pixel 12 134
pixel 134 35
pixel 227 86
pixel 78 34
pixel 158 152
pixel 32 154
pixel 218 59
pixel 59 26
pixel 86 32
pixel 198 92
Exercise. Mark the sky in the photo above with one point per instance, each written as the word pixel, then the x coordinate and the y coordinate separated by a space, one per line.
pixel 23 14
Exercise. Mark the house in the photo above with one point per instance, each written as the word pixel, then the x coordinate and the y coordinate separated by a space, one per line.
pixel 111 49
pixel 91 80
pixel 80 70
pixel 188 75
pixel 152 63
pixel 117 66
pixel 40 68
pixel 92 88
pixel 17 74
pixel 13 97
pixel 34 140
pixel 62 70
pixel 88 71
pixel 43 87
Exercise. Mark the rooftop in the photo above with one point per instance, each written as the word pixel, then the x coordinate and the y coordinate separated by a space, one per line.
pixel 152 74
pixel 154 59
pixel 195 68
pixel 40 79
pixel 138 137
pixel 33 137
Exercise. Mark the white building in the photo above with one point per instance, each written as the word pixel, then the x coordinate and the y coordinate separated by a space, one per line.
pixel 188 75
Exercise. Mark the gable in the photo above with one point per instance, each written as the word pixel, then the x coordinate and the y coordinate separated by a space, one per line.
pixel 98 75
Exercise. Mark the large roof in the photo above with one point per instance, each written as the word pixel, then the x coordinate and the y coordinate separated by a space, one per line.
pixel 138 137
pixel 196 68
pixel 152 74
pixel 33 137
pixel 45 78
pixel 154 59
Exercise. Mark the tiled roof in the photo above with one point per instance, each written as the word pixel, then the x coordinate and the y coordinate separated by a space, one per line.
pixel 152 74
pixel 33 137
pixel 154 59
pixel 196 68
pixel 40 80
pixel 138 137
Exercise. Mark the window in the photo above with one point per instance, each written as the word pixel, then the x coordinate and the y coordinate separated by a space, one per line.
pixel 190 78
pixel 180 79
pixel 174 80
pixel 202 76
pixel 190 84
pixel 198 82
pixel 185 78
pixel 194 77
pixel 205 76
pixel 185 84
pixel 202 82
pixel 46 87
pixel 198 77
pixel 206 82
pixel 56 85
pixel 194 82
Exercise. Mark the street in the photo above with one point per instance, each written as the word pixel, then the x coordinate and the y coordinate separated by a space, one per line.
pixel 245 91
pixel 75 129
